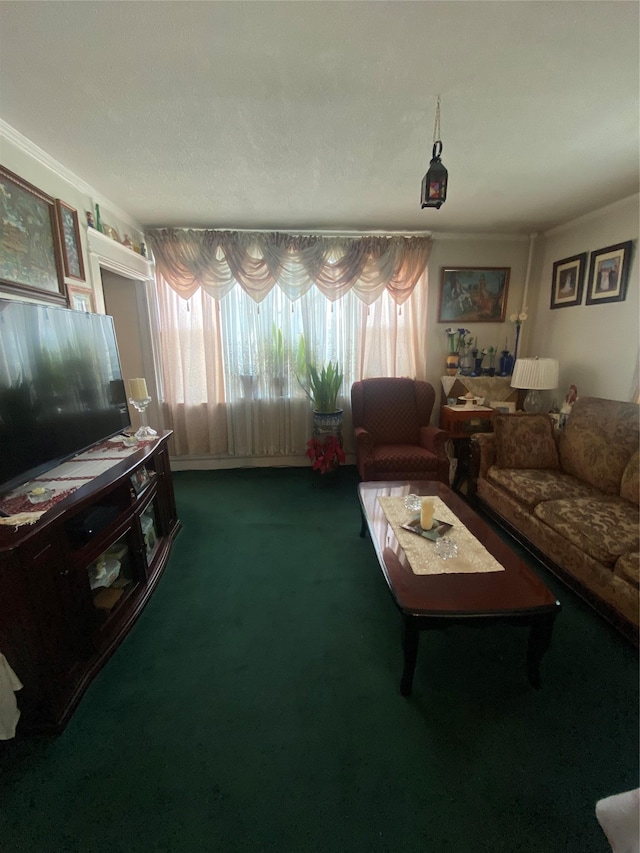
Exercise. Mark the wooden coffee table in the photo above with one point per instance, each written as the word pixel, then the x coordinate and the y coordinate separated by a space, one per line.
pixel 514 596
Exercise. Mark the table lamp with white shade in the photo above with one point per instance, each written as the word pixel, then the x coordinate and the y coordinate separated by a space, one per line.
pixel 534 375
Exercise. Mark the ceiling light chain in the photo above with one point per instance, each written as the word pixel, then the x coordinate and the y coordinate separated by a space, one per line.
pixel 436 128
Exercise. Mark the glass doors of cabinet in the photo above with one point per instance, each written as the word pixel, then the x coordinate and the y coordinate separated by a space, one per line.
pixel 114 574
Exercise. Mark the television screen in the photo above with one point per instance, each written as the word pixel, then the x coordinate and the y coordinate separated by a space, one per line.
pixel 61 387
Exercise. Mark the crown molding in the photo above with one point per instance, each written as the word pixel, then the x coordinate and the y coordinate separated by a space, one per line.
pixel 36 153
pixel 482 235
pixel 593 214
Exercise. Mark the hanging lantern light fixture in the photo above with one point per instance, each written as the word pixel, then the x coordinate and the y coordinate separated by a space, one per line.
pixel 434 183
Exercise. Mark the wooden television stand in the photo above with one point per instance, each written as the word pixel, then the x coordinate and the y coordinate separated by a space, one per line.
pixel 73 584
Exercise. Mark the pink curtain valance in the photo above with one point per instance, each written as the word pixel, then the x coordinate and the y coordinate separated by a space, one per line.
pixel 216 260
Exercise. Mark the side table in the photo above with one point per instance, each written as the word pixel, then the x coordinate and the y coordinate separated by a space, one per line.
pixel 461 422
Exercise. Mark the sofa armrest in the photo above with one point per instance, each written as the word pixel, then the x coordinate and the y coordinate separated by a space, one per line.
pixel 435 440
pixel 483 454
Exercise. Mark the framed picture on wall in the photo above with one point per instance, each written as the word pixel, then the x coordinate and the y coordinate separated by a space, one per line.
pixel 473 294
pixel 81 299
pixel 608 274
pixel 71 246
pixel 30 255
pixel 568 281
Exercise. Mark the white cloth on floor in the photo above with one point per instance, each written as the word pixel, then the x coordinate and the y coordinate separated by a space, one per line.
pixel 9 711
pixel 619 817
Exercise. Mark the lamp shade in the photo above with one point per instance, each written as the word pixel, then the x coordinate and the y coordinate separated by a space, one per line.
pixel 536 374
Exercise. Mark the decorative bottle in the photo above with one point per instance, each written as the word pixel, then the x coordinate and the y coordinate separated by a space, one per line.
pixel 98 219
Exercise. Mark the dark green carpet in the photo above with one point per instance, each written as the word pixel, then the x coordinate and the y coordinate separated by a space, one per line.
pixel 255 706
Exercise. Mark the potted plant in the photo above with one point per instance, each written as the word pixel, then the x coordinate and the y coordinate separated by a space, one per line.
pixel 324 385
pixel 326 453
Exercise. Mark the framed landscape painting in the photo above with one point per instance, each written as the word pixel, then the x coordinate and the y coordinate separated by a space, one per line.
pixel 30 256
pixel 568 281
pixel 473 294
pixel 608 274
pixel 71 247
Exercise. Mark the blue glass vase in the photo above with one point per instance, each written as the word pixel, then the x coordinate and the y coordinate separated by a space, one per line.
pixel 506 363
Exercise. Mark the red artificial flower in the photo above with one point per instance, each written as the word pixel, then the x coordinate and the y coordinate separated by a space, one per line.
pixel 325 453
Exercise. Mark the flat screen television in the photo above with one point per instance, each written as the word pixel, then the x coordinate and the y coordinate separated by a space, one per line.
pixel 61 387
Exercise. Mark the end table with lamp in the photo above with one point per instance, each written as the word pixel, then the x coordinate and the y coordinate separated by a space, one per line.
pixel 461 422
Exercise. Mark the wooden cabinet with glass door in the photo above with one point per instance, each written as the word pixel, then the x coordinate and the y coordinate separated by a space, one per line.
pixel 73 584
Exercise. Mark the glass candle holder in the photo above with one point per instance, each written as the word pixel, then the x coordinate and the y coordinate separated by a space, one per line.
pixel 144 430
pixel 413 503
pixel 446 549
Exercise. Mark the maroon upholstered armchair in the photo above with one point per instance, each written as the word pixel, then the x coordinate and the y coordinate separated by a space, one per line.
pixel 393 438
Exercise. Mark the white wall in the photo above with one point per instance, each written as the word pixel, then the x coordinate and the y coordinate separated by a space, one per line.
pixel 596 345
pixel 473 251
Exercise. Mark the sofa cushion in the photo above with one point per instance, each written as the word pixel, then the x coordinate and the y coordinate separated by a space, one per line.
pixel 604 527
pixel 599 439
pixel 630 485
pixel 627 568
pixel 530 486
pixel 525 441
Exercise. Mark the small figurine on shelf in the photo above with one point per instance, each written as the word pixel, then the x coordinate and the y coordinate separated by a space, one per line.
pixel 127 242
pixel 90 220
pixel 492 360
pixel 567 406
pixel 477 361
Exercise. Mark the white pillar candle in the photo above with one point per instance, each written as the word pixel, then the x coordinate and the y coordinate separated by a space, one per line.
pixel 426 514
pixel 138 389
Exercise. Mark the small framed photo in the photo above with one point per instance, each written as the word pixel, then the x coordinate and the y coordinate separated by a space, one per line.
pixel 140 479
pixel 71 246
pixel 473 294
pixel 608 274
pixel 81 299
pixel 568 281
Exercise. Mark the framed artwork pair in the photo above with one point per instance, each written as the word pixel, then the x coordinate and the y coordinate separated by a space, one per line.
pixel 606 282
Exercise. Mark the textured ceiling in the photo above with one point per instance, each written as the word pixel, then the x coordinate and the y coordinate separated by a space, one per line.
pixel 319 115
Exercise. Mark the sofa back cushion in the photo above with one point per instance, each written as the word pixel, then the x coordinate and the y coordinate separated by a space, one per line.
pixel 525 441
pixel 598 441
pixel 630 485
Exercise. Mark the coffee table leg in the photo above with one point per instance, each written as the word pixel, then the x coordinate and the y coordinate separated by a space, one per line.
pixel 410 648
pixel 363 524
pixel 539 639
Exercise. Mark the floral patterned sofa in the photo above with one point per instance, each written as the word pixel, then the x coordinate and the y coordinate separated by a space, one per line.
pixel 572 495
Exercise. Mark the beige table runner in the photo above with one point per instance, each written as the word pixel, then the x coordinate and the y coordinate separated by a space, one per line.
pixel 472 557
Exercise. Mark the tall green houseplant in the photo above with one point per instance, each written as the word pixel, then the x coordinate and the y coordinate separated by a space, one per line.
pixel 324 386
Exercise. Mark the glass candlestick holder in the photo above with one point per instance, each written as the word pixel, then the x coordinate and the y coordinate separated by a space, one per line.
pixel 144 430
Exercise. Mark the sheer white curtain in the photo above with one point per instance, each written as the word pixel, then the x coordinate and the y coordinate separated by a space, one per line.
pixel 228 366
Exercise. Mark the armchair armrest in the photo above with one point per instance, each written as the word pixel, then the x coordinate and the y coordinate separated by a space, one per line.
pixel 364 454
pixel 435 439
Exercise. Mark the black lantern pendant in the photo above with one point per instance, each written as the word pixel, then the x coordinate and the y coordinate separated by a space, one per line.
pixel 434 183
